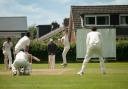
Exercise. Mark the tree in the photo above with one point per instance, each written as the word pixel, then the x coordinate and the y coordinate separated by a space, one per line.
pixel 33 31
pixel 66 22
pixel 54 25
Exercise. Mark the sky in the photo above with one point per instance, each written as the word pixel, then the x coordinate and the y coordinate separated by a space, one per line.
pixel 43 12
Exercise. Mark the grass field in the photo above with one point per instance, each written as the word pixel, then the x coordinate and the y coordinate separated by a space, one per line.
pixel 44 78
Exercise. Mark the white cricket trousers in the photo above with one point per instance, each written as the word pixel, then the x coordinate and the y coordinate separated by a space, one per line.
pixel 90 52
pixel 65 51
pixel 8 57
pixel 19 64
pixel 51 61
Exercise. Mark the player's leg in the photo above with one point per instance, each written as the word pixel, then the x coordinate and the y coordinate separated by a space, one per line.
pixel 14 69
pixel 65 51
pixel 27 69
pixel 102 65
pixel 30 67
pixel 53 62
pixel 6 61
pixel 84 65
pixel 10 59
pixel 50 61
pixel 30 57
pixel 85 62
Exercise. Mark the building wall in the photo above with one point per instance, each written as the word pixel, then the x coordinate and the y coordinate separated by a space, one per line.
pixel 43 29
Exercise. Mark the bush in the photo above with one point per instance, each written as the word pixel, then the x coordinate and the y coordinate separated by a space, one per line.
pixel 122 50
pixel 39 49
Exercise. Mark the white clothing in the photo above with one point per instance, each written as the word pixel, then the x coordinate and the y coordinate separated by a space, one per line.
pixel 65 51
pixel 52 61
pixel 22 43
pixel 21 61
pixel 94 46
pixel 21 56
pixel 7 46
pixel 94 38
pixel 66 43
pixel 7 53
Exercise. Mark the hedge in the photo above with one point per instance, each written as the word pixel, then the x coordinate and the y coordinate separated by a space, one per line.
pixel 122 50
pixel 39 49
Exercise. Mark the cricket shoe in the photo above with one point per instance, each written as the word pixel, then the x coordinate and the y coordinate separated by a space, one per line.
pixel 80 73
pixel 103 72
pixel 64 65
pixel 14 73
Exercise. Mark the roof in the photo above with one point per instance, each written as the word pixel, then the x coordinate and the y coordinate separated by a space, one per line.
pixel 76 11
pixel 13 23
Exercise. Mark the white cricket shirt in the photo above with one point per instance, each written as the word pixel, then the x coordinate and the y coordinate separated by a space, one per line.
pixel 65 41
pixel 22 43
pixel 94 38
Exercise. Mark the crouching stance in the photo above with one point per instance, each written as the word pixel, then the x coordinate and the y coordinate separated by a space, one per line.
pixel 94 46
pixel 21 64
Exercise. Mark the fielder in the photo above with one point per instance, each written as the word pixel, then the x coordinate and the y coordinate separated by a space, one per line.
pixel 7 45
pixel 23 43
pixel 94 46
pixel 66 43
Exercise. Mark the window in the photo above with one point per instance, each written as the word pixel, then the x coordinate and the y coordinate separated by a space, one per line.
pixel 90 20
pixel 124 19
pixel 102 20
pixel 114 19
pixel 97 20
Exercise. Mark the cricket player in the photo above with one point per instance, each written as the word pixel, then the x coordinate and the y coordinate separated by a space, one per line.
pixel 7 45
pixel 52 47
pixel 94 46
pixel 21 62
pixel 23 43
pixel 66 43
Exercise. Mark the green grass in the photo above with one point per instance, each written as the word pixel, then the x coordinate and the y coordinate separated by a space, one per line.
pixel 116 78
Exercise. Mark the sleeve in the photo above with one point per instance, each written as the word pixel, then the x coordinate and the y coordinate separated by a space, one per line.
pixel 28 42
pixel 4 44
pixel 3 48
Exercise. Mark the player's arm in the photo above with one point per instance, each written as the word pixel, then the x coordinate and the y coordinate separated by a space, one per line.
pixel 3 47
pixel 35 58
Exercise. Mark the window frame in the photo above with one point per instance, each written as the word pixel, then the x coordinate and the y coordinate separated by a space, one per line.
pixel 120 19
pixel 89 16
pixel 96 19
